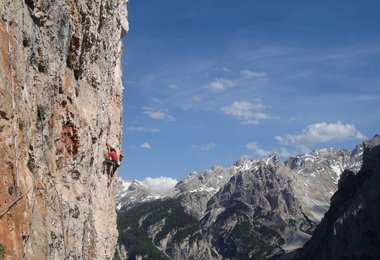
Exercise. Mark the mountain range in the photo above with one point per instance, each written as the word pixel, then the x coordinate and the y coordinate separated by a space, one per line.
pixel 254 209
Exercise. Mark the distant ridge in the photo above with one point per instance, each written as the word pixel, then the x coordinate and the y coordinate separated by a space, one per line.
pixel 254 209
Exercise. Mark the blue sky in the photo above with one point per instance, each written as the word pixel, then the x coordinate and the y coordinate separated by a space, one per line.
pixel 207 82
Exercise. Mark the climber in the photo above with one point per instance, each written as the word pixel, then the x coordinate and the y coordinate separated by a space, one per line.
pixel 112 160
pixel 112 157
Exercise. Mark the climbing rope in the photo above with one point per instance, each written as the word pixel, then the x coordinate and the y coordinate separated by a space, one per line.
pixel 14 127
pixel 16 178
pixel 5 208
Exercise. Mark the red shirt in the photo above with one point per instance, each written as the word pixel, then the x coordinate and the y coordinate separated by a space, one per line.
pixel 113 155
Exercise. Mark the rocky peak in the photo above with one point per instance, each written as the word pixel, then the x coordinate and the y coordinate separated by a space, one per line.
pixel 371 155
pixel 350 229
pixel 244 164
pixel 356 158
pixel 130 193
pixel 322 169
pixel 273 159
pixel 262 197
pixel 335 159
pixel 197 188
pixel 262 177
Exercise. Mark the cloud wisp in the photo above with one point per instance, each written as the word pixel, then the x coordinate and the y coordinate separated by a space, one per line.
pixel 141 129
pixel 282 152
pixel 145 146
pixel 160 185
pixel 158 114
pixel 256 149
pixel 204 147
pixel 321 133
pixel 248 74
pixel 247 112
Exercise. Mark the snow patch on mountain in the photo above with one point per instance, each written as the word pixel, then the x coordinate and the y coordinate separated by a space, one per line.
pixel 130 193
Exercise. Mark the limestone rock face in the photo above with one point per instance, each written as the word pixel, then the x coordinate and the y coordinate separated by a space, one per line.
pixel 60 102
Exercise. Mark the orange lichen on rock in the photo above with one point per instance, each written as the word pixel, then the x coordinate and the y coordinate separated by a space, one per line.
pixel 70 139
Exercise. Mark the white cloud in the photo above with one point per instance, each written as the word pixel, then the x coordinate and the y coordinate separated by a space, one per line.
pixel 255 148
pixel 160 185
pixel 251 146
pixel 142 129
pixel 283 152
pixel 248 74
pixel 321 133
pixel 204 147
pixel 220 85
pixel 158 114
pixel 246 111
pixel 239 109
pixel 145 146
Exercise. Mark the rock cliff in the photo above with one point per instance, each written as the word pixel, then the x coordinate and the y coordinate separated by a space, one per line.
pixel 60 102
pixel 350 229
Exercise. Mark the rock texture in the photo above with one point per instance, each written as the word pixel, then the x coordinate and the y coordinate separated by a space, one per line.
pixel 350 229
pixel 60 102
